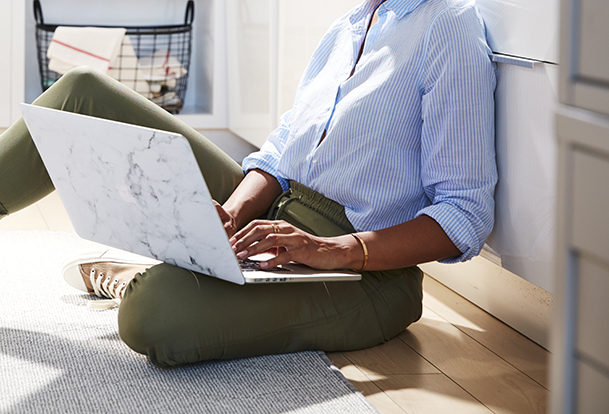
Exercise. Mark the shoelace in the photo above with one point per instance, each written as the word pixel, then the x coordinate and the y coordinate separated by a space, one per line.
pixel 105 287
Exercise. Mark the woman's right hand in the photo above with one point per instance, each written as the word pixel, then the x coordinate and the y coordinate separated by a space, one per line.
pixel 228 221
pixel 251 199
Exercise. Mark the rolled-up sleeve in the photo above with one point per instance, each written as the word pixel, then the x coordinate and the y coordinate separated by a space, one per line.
pixel 458 167
pixel 267 158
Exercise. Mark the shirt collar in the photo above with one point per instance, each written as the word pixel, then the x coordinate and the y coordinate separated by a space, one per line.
pixel 400 7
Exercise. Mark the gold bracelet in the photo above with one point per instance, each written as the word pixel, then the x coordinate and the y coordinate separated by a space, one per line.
pixel 365 248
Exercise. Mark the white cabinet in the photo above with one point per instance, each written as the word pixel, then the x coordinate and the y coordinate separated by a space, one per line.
pixel 525 211
pixel 301 24
pixel 580 339
pixel 249 64
pixel 526 97
pixel 269 45
pixel 580 365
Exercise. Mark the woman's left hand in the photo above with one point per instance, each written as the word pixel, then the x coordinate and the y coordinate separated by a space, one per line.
pixel 289 243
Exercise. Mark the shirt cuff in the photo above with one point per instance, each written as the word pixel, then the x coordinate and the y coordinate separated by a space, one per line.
pixel 267 163
pixel 458 229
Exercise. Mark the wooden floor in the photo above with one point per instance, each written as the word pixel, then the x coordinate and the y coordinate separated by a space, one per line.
pixel 456 359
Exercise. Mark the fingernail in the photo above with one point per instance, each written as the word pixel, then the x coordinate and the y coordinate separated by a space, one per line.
pixel 242 255
pixel 264 264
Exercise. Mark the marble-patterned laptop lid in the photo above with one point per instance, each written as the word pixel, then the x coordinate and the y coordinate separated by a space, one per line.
pixel 133 188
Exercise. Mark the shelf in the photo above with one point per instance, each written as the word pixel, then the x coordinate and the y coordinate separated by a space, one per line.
pixel 205 102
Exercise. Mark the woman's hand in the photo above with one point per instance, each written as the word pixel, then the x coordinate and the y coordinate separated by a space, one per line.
pixel 228 221
pixel 289 243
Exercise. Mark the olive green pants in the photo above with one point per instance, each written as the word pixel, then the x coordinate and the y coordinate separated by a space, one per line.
pixel 175 316
pixel 23 178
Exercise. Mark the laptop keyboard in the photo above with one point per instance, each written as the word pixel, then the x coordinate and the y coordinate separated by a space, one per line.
pixel 248 265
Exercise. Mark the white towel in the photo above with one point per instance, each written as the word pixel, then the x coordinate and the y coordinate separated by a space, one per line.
pixel 95 47
pixel 161 66
pixel 125 68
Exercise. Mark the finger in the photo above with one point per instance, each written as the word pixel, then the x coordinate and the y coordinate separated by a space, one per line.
pixel 227 220
pixel 251 235
pixel 284 257
pixel 254 244
pixel 280 242
pixel 248 228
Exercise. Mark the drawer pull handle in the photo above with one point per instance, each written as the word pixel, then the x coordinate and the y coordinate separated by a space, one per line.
pixel 516 61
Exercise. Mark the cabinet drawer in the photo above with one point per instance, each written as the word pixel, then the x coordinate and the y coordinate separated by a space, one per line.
pixel 592 396
pixel 522 28
pixel 526 159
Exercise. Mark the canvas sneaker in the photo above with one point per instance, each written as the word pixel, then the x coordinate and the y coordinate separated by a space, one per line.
pixel 105 275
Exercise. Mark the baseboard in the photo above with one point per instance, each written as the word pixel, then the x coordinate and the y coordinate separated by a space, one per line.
pixel 511 299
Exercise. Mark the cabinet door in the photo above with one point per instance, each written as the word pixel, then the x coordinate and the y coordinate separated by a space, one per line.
pixel 249 62
pixel 580 367
pixel 585 55
pixel 525 210
pixel 301 26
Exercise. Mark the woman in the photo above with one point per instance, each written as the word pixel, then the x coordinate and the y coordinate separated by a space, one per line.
pixel 385 161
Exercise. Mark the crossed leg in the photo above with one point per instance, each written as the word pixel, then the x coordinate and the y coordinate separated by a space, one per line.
pixel 175 316
pixel 23 177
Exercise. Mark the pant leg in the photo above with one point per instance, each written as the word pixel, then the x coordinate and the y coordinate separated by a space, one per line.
pixel 175 316
pixel 23 178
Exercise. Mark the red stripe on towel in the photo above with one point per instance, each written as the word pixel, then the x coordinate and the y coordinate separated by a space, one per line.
pixel 165 63
pixel 80 50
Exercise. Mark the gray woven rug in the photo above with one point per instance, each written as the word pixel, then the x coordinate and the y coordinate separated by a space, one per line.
pixel 58 356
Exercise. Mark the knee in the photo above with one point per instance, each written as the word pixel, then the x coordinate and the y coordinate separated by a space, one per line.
pixel 81 74
pixel 132 316
pixel 151 318
pixel 139 323
pixel 72 90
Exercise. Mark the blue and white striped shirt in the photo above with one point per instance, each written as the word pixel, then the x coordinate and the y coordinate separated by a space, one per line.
pixel 410 133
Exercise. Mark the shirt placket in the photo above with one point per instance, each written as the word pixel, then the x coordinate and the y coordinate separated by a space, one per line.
pixel 367 39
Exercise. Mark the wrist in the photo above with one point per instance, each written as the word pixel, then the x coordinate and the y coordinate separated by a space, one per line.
pixel 364 248
pixel 232 226
pixel 353 253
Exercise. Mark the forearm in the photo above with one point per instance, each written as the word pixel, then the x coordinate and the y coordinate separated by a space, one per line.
pixel 253 197
pixel 411 243
pixel 417 241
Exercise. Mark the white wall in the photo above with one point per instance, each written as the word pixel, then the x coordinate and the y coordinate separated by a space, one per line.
pixel 12 40
pixel 5 70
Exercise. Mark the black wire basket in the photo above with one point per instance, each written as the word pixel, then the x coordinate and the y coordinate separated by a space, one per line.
pixel 153 47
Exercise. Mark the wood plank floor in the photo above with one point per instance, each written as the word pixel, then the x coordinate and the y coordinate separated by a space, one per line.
pixel 456 359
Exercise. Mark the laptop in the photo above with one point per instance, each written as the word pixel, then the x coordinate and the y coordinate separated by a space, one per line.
pixel 141 190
